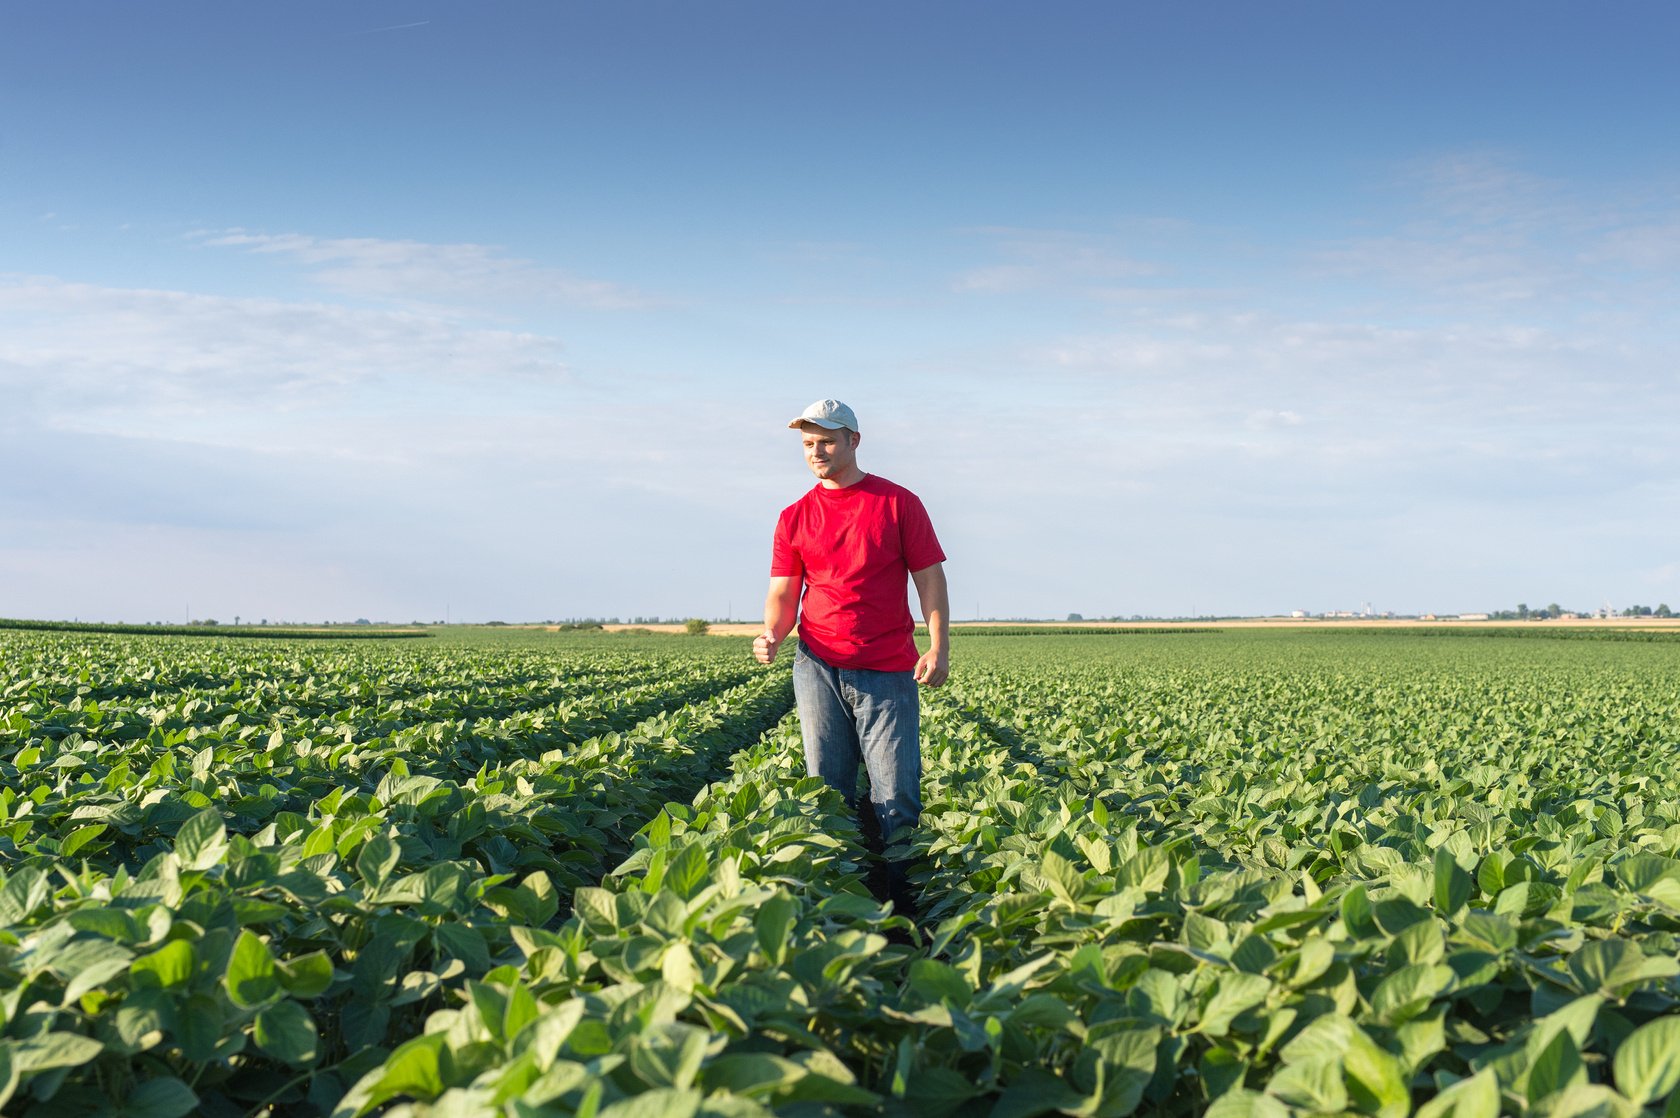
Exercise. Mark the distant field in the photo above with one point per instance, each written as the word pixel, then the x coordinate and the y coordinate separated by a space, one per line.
pixel 1654 624
pixel 270 632
pixel 513 871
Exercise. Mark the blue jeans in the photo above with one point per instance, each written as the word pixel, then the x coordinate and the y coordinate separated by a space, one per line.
pixel 852 713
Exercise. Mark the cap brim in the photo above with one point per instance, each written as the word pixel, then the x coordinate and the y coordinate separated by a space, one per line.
pixel 826 424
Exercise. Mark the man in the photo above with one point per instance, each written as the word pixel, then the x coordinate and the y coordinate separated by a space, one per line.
pixel 848 545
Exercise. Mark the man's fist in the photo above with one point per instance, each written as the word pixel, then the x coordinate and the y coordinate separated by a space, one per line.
pixel 765 647
pixel 933 668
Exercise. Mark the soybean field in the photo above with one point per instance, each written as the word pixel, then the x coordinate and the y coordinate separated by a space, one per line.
pixel 526 873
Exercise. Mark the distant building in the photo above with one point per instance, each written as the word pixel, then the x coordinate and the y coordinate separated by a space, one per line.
pixel 1472 617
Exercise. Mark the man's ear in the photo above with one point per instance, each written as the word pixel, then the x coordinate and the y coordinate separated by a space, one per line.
pixel 857 437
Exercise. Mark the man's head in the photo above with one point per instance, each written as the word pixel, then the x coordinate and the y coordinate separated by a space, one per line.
pixel 828 431
pixel 831 454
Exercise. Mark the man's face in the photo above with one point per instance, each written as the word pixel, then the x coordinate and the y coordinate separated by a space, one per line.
pixel 830 454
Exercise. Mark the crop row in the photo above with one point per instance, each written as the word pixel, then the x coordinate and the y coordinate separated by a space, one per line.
pixel 106 687
pixel 1237 918
pixel 232 921
pixel 733 963
pixel 1174 877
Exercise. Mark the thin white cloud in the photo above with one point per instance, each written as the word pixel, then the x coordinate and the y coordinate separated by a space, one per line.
pixel 1650 248
pixel 1049 258
pixel 1487 188
pixel 1479 235
pixel 417 272
pixel 74 348
pixel 1266 419
pixel 1489 375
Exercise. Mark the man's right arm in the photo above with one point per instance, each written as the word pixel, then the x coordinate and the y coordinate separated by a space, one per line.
pixel 781 610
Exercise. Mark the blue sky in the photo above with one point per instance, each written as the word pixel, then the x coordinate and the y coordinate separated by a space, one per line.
pixel 388 309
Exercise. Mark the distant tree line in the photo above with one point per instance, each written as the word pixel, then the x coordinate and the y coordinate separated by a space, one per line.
pixel 1523 613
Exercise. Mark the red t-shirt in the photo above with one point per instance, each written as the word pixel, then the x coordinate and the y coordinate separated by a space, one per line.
pixel 855 547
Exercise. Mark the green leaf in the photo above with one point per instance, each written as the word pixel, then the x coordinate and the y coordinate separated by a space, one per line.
pixel 1036 1091
pixel 95 962
pixel 1254 954
pixel 142 1020
pixel 661 1102
pixel 667 914
pixel 1576 1018
pixel 413 1069
pixel 678 968
pixel 1235 993
pixel 658 830
pixel 1311 1085
pixel 939 983
pixel 753 1074
pixel 79 838
pixel 25 890
pixel 160 1098
pixel 1375 1080
pixel 1239 1102
pixel 597 908
pixel 1397 914
pixel 306 976
pixel 1452 885
pixel 169 966
pixel 1497 933
pixel 54 1050
pixel 251 979
pixel 1475 1097
pixel 1556 1067
pixel 936 1091
pixel 1049 1011
pixel 378 857
pixel 199 1026
pixel 522 1009
pixel 688 871
pixel 669 1056
pixel 1648 1061
pixel 538 898
pixel 9 1075
pixel 1356 911
pixel 287 1032
pixel 464 943
pixel 1326 1038
pixel 772 924
pixel 1062 876
pixel 112 923
pixel 1641 871
pixel 202 840
pixel 1616 966
pixel 1408 991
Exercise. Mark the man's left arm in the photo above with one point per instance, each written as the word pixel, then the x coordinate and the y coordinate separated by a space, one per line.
pixel 935 664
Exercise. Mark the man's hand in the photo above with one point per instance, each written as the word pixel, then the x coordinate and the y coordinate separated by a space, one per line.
pixel 933 668
pixel 781 607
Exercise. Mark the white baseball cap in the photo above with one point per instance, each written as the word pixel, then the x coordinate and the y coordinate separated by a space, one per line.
pixel 831 414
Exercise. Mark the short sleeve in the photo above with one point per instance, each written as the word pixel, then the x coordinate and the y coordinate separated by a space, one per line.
pixel 784 557
pixel 915 535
